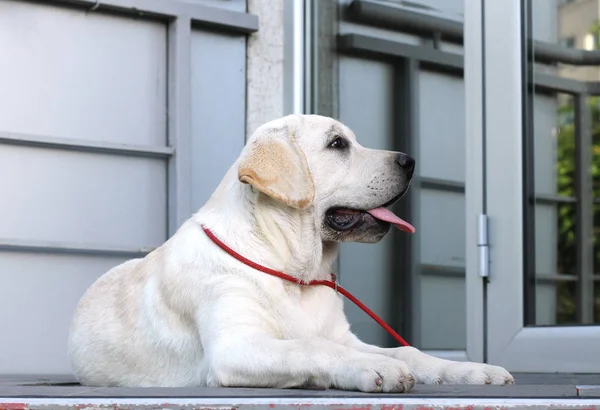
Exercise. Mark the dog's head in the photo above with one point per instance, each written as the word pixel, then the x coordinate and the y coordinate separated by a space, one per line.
pixel 314 163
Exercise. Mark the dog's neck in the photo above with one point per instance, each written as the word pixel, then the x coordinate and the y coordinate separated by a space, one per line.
pixel 294 236
pixel 278 236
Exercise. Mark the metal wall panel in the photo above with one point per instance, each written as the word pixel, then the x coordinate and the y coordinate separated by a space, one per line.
pixel 218 109
pixel 74 197
pixel 39 294
pixel 85 76
pixel 443 324
pixel 365 106
pixel 442 225
pixel 442 214
pixel 442 284
pixel 442 127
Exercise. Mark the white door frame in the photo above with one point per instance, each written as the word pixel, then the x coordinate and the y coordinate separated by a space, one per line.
pixel 508 342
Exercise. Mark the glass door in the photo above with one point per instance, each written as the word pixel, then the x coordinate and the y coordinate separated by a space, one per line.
pixel 540 73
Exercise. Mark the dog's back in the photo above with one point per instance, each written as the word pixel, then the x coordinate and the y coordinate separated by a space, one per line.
pixel 122 342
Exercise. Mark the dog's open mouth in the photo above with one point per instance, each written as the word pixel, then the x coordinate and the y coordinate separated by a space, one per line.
pixel 343 219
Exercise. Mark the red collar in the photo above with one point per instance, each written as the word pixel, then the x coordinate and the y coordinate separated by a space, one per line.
pixel 333 284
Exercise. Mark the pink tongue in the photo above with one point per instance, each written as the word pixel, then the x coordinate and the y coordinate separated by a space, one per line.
pixel 384 214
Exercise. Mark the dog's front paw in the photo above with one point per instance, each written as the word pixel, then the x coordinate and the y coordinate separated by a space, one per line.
pixel 473 373
pixel 376 374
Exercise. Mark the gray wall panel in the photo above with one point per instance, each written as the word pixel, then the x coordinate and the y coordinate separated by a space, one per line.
pixel 443 313
pixel 365 272
pixel 82 75
pixel 442 227
pixel 441 214
pixel 39 294
pixel 218 109
pixel 442 127
pixel 365 106
pixel 63 196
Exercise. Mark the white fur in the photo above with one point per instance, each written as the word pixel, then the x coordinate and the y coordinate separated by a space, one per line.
pixel 188 314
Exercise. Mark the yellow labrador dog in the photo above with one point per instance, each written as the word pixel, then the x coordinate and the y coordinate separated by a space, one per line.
pixel 189 314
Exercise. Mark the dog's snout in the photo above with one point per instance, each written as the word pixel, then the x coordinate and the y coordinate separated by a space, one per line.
pixel 406 162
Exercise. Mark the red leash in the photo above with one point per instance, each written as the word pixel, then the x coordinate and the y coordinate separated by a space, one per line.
pixel 333 284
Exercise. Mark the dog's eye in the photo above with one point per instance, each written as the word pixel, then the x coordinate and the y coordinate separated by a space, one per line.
pixel 338 142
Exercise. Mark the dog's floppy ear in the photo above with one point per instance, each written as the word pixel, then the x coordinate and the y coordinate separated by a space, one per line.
pixel 276 166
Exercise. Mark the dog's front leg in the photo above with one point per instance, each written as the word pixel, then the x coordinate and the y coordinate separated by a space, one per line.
pixel 261 361
pixel 427 369
pixel 243 348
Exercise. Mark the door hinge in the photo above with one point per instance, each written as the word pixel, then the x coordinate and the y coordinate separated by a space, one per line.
pixel 483 246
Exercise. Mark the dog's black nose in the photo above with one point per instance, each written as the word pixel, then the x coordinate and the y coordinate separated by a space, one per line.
pixel 406 162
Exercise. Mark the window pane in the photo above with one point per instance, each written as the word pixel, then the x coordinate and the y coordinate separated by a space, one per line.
pixel 562 172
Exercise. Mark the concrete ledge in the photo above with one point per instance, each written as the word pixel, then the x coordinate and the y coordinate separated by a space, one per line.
pixel 395 403
pixel 421 391
pixel 532 391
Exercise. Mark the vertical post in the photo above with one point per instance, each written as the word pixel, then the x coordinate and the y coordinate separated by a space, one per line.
pixel 309 14
pixel 474 177
pixel 299 66
pixel 179 122
pixel 405 282
pixel 584 213
pixel 322 76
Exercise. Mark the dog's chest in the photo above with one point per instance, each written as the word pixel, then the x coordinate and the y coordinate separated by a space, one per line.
pixel 308 312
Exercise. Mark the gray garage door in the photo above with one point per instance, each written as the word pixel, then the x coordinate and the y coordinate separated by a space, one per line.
pixel 109 122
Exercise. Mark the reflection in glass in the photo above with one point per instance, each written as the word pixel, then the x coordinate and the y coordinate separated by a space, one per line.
pixel 565 186
pixel 566 308
pixel 555 209
pixel 562 154
pixel 578 28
